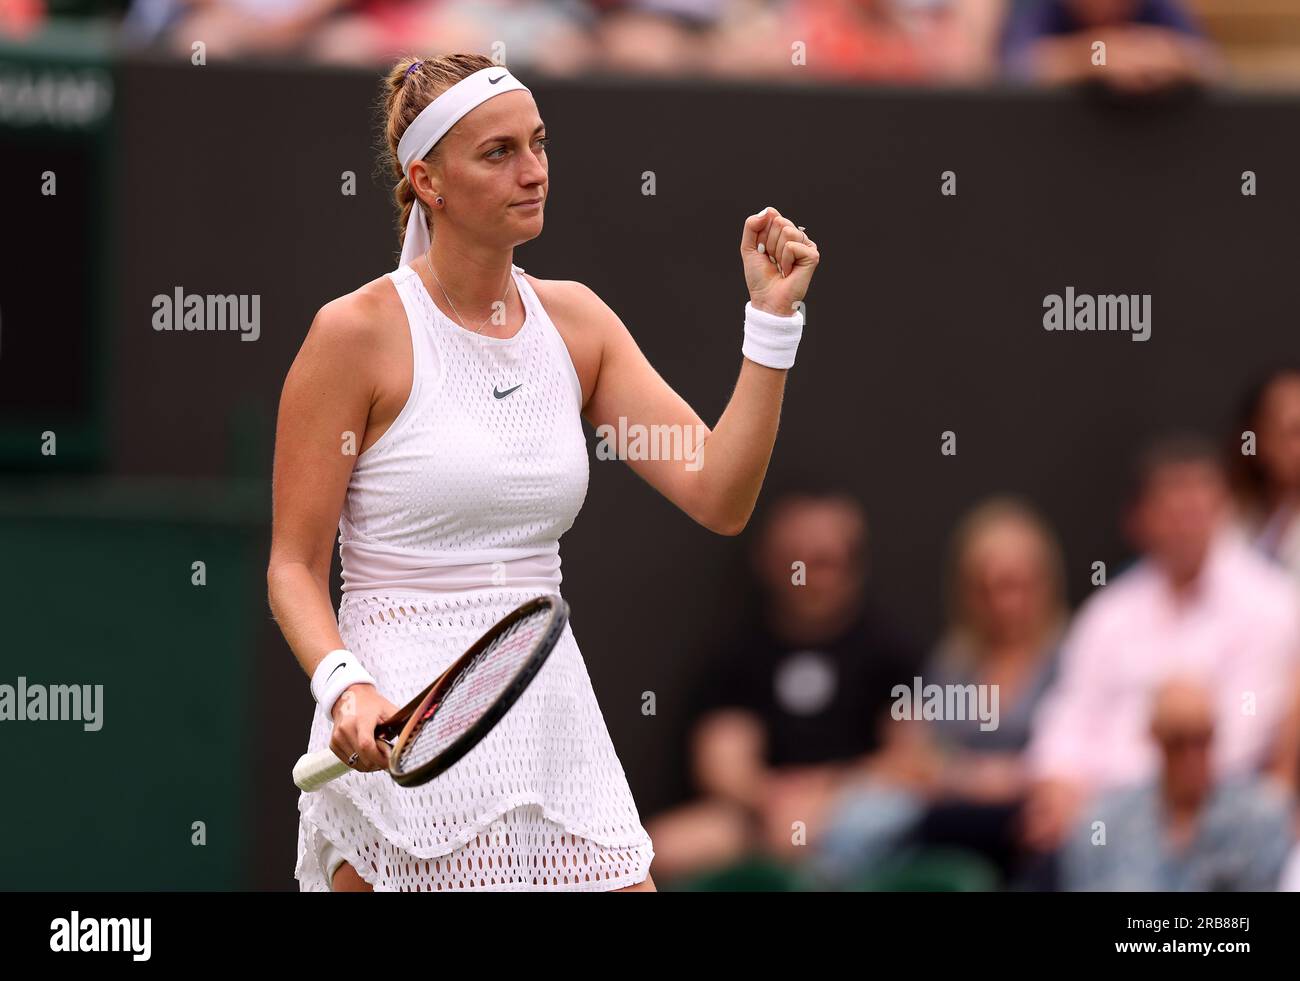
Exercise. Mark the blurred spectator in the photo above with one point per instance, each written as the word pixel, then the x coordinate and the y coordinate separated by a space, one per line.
pixel 228 28
pixel 1187 830
pixel 797 705
pixel 1007 613
pixel 1266 487
pixel 858 40
pixel 1266 483
pixel 656 37
pixel 550 36
pixel 898 40
pixel 1148 44
pixel 1199 603
pixel 20 19
pixel 1290 881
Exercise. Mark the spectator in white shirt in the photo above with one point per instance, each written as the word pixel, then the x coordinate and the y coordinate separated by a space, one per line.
pixel 1199 603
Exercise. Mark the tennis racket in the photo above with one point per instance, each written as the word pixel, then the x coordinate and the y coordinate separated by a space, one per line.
pixel 450 717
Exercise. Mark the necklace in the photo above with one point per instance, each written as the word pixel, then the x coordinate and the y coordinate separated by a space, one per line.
pixel 429 263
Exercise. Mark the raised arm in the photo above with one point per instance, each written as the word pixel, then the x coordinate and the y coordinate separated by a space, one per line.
pixel 716 476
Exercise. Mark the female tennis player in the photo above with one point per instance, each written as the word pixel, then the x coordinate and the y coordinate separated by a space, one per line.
pixel 434 417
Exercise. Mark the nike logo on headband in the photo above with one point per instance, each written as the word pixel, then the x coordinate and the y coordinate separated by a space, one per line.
pixel 502 395
pixel 493 81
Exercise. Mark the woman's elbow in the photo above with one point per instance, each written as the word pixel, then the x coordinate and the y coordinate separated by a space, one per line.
pixel 730 529
pixel 289 574
pixel 729 524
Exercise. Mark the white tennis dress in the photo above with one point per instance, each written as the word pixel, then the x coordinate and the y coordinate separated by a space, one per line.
pixel 452 519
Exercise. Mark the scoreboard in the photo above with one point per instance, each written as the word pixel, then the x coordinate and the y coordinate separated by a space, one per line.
pixel 55 271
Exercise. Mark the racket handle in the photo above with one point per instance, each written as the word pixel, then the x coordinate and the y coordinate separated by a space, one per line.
pixel 315 770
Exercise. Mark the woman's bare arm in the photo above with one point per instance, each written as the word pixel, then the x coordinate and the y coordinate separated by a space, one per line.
pixel 717 476
pixel 330 397
pixel 327 395
pixel 718 483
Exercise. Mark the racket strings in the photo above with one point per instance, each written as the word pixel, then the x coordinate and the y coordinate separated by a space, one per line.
pixel 474 691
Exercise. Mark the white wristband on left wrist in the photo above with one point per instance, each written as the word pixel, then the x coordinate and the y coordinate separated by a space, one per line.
pixel 771 340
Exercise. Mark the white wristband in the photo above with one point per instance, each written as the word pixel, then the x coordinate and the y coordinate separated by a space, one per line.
pixel 337 672
pixel 771 340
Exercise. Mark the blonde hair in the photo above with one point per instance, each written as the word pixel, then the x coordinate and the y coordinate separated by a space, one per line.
pixel 960 645
pixel 411 85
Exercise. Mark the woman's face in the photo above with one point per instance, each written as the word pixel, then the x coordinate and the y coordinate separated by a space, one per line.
pixel 1279 432
pixel 492 161
pixel 1005 580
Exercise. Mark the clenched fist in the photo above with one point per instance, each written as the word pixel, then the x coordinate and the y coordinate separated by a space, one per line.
pixel 779 260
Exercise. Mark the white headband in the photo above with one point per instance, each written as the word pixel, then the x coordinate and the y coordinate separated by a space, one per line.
pixel 432 124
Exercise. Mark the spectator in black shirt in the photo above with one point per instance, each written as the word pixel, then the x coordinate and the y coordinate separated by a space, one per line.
pixel 799 702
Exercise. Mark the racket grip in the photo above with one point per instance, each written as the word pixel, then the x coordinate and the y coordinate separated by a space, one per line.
pixel 315 770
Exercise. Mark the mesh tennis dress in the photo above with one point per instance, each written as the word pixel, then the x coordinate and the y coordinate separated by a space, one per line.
pixel 452 519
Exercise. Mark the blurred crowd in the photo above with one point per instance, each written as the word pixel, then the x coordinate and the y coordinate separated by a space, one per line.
pixel 1147 740
pixel 1144 44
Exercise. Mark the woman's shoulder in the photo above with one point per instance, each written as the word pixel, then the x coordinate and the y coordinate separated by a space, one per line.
pixel 360 335
pixel 560 295
pixel 365 302
pixel 581 317
pixel 363 317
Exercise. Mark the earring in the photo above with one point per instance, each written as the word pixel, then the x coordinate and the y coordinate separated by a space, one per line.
pixel 439 199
